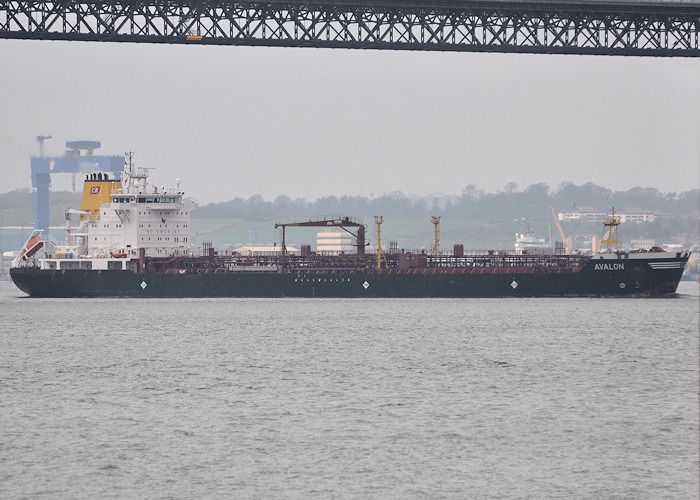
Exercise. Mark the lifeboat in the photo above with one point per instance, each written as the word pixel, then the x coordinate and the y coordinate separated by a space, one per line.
pixel 32 246
pixel 118 255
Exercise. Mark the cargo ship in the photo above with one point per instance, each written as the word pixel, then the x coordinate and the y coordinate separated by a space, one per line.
pixel 133 241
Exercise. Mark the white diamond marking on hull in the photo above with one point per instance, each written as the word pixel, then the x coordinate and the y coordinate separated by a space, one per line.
pixel 365 285
pixel 514 284
pixel 144 285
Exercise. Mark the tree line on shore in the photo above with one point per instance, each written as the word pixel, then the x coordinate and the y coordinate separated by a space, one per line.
pixel 474 204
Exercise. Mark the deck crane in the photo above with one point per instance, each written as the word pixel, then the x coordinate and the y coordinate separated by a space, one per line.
pixel 340 221
pixel 436 249
pixel 564 239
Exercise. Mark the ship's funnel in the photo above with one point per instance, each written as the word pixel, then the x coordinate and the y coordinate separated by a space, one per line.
pixel 97 189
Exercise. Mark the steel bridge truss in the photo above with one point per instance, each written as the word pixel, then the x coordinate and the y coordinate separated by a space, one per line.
pixel 479 26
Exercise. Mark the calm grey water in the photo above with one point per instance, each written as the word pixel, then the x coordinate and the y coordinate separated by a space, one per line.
pixel 294 398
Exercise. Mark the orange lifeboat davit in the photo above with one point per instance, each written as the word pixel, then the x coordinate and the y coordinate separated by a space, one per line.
pixel 118 255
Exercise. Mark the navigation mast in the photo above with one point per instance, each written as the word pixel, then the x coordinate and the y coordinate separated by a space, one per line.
pixel 137 178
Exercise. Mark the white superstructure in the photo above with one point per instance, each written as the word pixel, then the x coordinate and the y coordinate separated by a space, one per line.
pixel 157 222
pixel 528 243
pixel 139 216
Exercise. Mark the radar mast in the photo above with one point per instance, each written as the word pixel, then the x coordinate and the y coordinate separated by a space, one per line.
pixel 137 177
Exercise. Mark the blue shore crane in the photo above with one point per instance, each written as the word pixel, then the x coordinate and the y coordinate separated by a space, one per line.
pixel 79 158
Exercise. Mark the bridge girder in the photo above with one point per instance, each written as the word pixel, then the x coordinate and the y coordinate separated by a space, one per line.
pixel 548 27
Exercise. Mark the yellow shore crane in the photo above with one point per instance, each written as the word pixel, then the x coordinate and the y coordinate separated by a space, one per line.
pixel 564 239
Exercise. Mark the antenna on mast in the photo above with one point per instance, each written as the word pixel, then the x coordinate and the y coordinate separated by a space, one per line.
pixel 135 176
pixel 129 161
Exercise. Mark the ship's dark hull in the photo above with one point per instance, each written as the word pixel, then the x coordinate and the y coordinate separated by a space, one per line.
pixel 636 279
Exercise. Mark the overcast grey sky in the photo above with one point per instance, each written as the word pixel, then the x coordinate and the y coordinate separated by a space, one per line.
pixel 239 121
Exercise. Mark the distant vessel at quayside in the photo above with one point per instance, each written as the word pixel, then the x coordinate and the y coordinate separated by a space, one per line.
pixel 134 242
